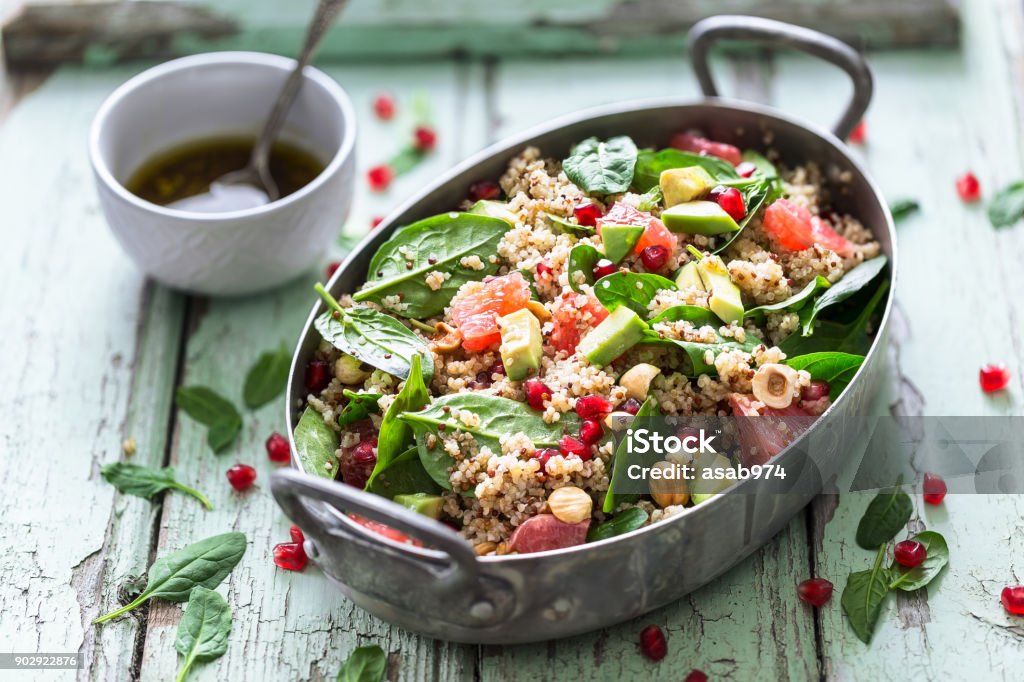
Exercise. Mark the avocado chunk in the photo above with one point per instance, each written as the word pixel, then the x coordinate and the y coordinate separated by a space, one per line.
pixel 725 300
pixel 494 209
pixel 619 240
pixel 428 505
pixel 520 343
pixel 699 217
pixel 702 489
pixel 619 332
pixel 679 185
pixel 688 277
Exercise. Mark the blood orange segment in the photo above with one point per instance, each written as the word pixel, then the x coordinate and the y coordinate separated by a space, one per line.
pixel 476 313
pixel 794 228
pixel 688 142
pixel 655 232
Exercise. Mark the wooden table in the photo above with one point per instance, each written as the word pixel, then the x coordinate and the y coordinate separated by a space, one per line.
pixel 91 354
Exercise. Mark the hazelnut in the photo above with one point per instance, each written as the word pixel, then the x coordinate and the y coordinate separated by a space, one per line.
pixel 637 380
pixel 485 548
pixel 668 492
pixel 448 339
pixel 775 385
pixel 570 504
pixel 539 311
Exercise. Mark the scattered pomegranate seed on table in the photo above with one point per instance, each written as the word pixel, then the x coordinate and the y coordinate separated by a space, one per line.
pixel 241 476
pixel 746 169
pixel 318 375
pixel 574 446
pixel 290 556
pixel 696 676
pixel 652 643
pixel 654 257
pixel 536 393
pixel 592 406
pixel 815 591
pixel 933 488
pixel 278 449
pixel 968 187
pixel 424 138
pixel 731 201
pixel 331 268
pixel 604 268
pixel 591 431
pixel 484 190
pixel 587 213
pixel 910 553
pixel 296 533
pixel 380 177
pixel 994 378
pixel 632 405
pixel 859 134
pixel 1013 600
pixel 384 106
pixel 375 221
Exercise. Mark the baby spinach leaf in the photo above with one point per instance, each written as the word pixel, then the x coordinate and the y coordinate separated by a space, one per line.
pixel 565 226
pixel 910 579
pixel 835 368
pixel 623 522
pixel 365 664
pixel 316 444
pixel 140 481
pixel 1007 206
pixel 765 168
pixel 696 353
pixel 400 266
pixel 360 405
pixel 650 164
pixel 404 476
pixel 756 195
pixel 203 564
pixel 852 282
pixel 863 597
pixel 884 518
pixel 700 317
pixel 634 290
pixel 794 302
pixel 396 436
pixel 214 411
pixel 582 259
pixel 901 208
pixel 602 167
pixel 834 336
pixel 619 460
pixel 203 630
pixel 266 378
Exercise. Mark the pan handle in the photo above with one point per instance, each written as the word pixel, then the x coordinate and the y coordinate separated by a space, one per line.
pixel 779 34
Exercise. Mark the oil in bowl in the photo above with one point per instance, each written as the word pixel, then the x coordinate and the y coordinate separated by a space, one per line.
pixel 188 170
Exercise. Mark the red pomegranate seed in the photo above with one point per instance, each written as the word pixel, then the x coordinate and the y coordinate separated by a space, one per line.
pixel 497 368
pixel 909 553
pixel 859 134
pixel 241 476
pixel 815 591
pixel 375 221
pixel 424 138
pixel 1013 600
pixel 731 201
pixel 544 455
pixel 296 533
pixel 587 213
pixel 652 643
pixel 543 269
pixel 591 431
pixel 366 451
pixel 817 390
pixel 380 177
pixel 746 169
pixel 484 190
pixel 591 406
pixel 968 187
pixel 696 676
pixel 331 268
pixel 934 489
pixel 536 393
pixel 632 405
pixel 994 378
pixel 605 267
pixel 384 106
pixel 278 449
pixel 318 375
pixel 574 446
pixel 654 257
pixel 290 556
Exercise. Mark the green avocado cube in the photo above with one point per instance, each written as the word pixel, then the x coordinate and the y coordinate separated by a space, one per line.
pixel 521 343
pixel 619 240
pixel 725 300
pixel 679 185
pixel 494 209
pixel 619 332
pixel 689 277
pixel 428 505
pixel 699 217
pixel 701 488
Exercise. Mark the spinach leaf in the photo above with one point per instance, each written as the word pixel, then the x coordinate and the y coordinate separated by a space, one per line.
pixel 700 317
pixel 140 481
pixel 765 168
pixel 852 282
pixel 316 444
pixel 794 302
pixel 360 405
pixel 365 664
pixel 266 378
pixel 756 195
pixel 910 579
pixel 212 410
pixel 564 226
pixel 650 199
pixel 602 167
pixel 835 368
pixel 619 463
pixel 404 476
pixel 634 290
pixel 884 518
pixel 203 564
pixel 623 522
pixel 650 164
pixel 1007 206
pixel 833 336
pixel 863 596
pixel 203 630
pixel 400 266
pixel 901 208
pixel 373 337
pixel 582 258
pixel 696 353
pixel 395 436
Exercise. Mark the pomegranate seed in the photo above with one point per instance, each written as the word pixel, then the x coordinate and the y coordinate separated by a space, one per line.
pixel 543 269
pixel 909 553
pixel 484 190
pixel 934 489
pixel 544 455
pixel 278 449
pixel 632 405
pixel 654 257
pixel 318 375
pixel 859 134
pixel 652 643
pixel 994 378
pixel 497 368
pixel 365 452
pixel 591 431
pixel 424 138
pixel 290 556
pixel 591 406
pixel 574 446
pixel 696 676
pixel 817 390
pixel 296 533
pixel 376 221
pixel 968 187
pixel 816 591
pixel 380 177
pixel 731 201
pixel 241 476
pixel 1013 600
pixel 331 268
pixel 587 213
pixel 746 169
pixel 384 107
pixel 536 393
pixel 605 267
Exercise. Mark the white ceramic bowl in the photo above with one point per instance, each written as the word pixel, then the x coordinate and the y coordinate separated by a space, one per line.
pixel 223 93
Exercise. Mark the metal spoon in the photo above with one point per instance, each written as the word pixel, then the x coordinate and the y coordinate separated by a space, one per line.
pixel 253 185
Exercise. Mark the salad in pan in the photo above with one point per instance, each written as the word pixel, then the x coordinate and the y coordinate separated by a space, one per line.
pixel 484 373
